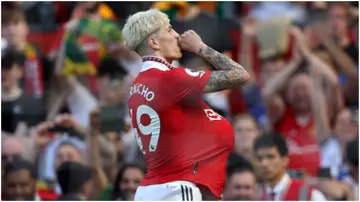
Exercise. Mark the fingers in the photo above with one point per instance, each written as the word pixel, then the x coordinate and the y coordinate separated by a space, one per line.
pixel 65 120
pixel 44 127
pixel 188 33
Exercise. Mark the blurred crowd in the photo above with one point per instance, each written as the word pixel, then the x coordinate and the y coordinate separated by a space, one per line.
pixel 65 125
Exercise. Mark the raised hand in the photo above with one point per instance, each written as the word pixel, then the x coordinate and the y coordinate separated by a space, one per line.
pixel 301 40
pixel 41 132
pixel 190 41
pixel 250 27
pixel 66 120
pixel 95 119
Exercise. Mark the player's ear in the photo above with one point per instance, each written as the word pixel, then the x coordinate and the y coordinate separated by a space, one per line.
pixel 153 43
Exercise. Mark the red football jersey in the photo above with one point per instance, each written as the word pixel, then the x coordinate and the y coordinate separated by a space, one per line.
pixel 304 151
pixel 180 136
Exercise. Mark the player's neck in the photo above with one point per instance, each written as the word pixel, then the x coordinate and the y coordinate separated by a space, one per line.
pixel 158 54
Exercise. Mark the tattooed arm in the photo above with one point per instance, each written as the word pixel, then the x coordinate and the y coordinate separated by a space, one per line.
pixel 229 75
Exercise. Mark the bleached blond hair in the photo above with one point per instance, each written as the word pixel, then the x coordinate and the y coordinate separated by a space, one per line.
pixel 140 25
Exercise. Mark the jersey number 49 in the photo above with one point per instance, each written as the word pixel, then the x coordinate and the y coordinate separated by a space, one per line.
pixel 152 129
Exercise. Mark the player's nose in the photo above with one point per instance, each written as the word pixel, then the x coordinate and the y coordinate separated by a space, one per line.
pixel 176 35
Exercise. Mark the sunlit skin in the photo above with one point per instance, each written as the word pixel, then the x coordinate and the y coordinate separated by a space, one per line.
pixel 164 43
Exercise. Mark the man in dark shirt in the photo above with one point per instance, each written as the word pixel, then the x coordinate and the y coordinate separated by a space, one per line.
pixel 76 181
pixel 16 105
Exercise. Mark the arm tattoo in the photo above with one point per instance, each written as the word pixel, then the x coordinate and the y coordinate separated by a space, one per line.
pixel 231 74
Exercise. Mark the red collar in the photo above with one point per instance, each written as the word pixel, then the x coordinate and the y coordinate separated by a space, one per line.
pixel 157 59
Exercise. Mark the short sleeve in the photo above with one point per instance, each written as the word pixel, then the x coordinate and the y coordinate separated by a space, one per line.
pixel 187 82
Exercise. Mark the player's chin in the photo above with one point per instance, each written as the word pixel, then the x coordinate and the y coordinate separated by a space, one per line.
pixel 179 55
pixel 176 55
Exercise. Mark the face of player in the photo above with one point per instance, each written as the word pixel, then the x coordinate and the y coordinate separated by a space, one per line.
pixel 246 132
pixel 130 182
pixel 241 187
pixel 19 186
pixel 67 153
pixel 270 163
pixel 11 76
pixel 338 21
pixel 15 32
pixel 298 93
pixel 167 43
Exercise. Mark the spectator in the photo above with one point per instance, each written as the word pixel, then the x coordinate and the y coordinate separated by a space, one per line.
pixel 127 181
pixel 340 20
pixel 341 47
pixel 17 106
pixel 246 131
pixel 67 152
pixel 86 29
pixel 11 149
pixel 56 153
pixel 19 182
pixel 37 70
pixel 272 155
pixel 346 129
pixel 241 184
pixel 75 180
pixel 301 115
pixel 352 153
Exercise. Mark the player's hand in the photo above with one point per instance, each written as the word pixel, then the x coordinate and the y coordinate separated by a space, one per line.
pixel 190 41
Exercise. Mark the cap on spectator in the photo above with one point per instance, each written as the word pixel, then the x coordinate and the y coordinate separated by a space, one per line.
pixel 72 176
pixel 12 57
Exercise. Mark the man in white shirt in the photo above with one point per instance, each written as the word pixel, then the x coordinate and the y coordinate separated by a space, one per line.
pixel 272 155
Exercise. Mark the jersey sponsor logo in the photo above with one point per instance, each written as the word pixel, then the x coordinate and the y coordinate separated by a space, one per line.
pixel 295 148
pixel 213 116
pixel 194 73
